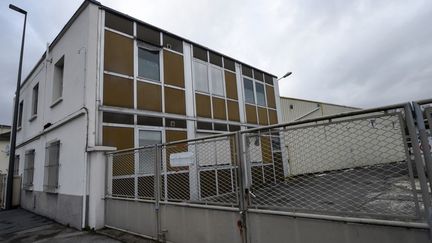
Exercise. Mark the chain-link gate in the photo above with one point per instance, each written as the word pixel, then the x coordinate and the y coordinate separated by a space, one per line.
pixel 365 164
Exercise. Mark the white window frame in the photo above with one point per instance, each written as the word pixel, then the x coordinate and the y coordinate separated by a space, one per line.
pixel 256 93
pixel 35 101
pixel 244 90
pixel 150 48
pixel 195 60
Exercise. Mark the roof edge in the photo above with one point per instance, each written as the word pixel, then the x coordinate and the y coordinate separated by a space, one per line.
pixel 320 102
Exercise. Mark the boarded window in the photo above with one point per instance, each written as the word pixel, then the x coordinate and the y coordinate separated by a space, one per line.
pixel 29 169
pixel 52 161
pixel 118 54
pixel 203 107
pixel 173 69
pixel 118 91
pixel 119 137
pixel 175 101
pixel 231 85
pixel 219 110
pixel 149 97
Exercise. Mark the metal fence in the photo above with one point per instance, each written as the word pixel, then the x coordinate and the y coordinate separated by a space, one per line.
pixel 363 164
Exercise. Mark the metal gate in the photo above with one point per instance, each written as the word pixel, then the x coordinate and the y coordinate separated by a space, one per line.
pixel 364 167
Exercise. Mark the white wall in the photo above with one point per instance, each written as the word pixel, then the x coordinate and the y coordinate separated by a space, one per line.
pixel 4 159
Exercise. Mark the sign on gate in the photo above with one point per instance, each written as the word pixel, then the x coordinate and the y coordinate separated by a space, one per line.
pixel 181 159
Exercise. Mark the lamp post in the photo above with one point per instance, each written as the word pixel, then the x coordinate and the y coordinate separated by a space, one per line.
pixel 286 75
pixel 15 116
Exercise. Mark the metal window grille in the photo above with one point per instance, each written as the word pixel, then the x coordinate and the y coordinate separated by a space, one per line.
pixel 52 155
pixel 29 169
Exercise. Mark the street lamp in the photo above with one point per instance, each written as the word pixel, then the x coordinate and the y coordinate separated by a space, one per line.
pixel 15 116
pixel 286 75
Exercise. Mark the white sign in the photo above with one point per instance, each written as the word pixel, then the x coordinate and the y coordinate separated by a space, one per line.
pixel 181 159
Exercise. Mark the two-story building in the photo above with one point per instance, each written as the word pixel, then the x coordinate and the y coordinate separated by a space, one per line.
pixel 110 80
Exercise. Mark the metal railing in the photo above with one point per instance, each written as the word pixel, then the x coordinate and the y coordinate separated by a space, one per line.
pixel 363 164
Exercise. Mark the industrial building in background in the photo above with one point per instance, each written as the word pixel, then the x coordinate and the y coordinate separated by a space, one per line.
pixel 109 81
pixel 293 109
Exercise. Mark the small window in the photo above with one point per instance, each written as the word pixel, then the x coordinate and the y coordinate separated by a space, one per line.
pixel 51 175
pixel 249 91
pixel 29 168
pixel 35 98
pixel 217 81
pixel 16 165
pixel 148 64
pixel 260 96
pixel 201 77
pixel 57 89
pixel 20 113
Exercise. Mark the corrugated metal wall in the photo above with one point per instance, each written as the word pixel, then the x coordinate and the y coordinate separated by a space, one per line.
pixel 296 109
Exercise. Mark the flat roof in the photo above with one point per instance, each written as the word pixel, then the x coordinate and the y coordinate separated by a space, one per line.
pixel 314 101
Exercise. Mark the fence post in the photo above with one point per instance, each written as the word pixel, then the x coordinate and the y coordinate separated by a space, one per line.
pixel 243 193
pixel 424 140
pixel 419 164
pixel 109 174
pixel 157 178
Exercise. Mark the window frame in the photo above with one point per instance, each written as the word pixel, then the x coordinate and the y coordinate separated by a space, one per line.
pixel 253 90
pixel 151 49
pixel 199 61
pixel 35 101
pixel 29 170
pixel 58 82
pixel 47 187
pixel 264 94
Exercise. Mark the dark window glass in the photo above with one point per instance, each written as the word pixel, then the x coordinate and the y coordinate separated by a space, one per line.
pixel 234 128
pixel 148 34
pixel 116 22
pixel 110 117
pixel 200 53
pixel 148 64
pixel 35 99
pixel 229 64
pixel 247 71
pixel 268 79
pixel 258 75
pixel 260 96
pixel 20 113
pixel 173 43
pixel 249 91
pixel 216 59
pixel 220 127
pixel 149 121
pixel 204 125
pixel 175 123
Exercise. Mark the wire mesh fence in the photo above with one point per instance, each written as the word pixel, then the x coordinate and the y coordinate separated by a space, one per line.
pixel 354 166
pixel 359 165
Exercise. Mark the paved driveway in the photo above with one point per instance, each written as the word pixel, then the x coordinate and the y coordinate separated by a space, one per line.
pixel 19 225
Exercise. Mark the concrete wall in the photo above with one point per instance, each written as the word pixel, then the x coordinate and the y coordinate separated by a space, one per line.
pixel 72 121
pixel 4 158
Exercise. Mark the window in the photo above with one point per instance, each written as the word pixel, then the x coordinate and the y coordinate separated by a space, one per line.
pixel 57 89
pixel 35 99
pixel 201 77
pixel 16 165
pixel 260 96
pixel 29 168
pixel 20 113
pixel 51 175
pixel 217 81
pixel 148 64
pixel 147 157
pixel 249 91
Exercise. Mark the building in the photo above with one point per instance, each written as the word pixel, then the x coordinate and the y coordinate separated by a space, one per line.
pixel 293 109
pixel 111 81
pixel 4 148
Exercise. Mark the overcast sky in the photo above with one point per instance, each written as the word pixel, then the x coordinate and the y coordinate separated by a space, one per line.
pixel 357 53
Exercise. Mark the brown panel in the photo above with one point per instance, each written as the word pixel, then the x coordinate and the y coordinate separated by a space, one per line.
pixel 229 64
pixel 175 101
pixel 231 85
pixel 173 69
pixel 216 59
pixel 172 135
pixel 251 114
pixel 118 54
pixel 270 96
pixel 119 137
pixel 203 108
pixel 118 91
pixel 266 149
pixel 116 22
pixel 273 116
pixel 148 34
pixel 262 116
pixel 247 71
pixel 200 53
pixel 219 110
pixel 258 75
pixel 177 123
pixel 172 43
pixel 233 111
pixel 149 97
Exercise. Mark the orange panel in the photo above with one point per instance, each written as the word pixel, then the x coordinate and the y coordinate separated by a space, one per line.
pixel 118 54
pixel 273 117
pixel 219 110
pixel 262 116
pixel 231 85
pixel 149 96
pixel 270 96
pixel 175 101
pixel 251 114
pixel 173 69
pixel 233 111
pixel 203 107
pixel 118 91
